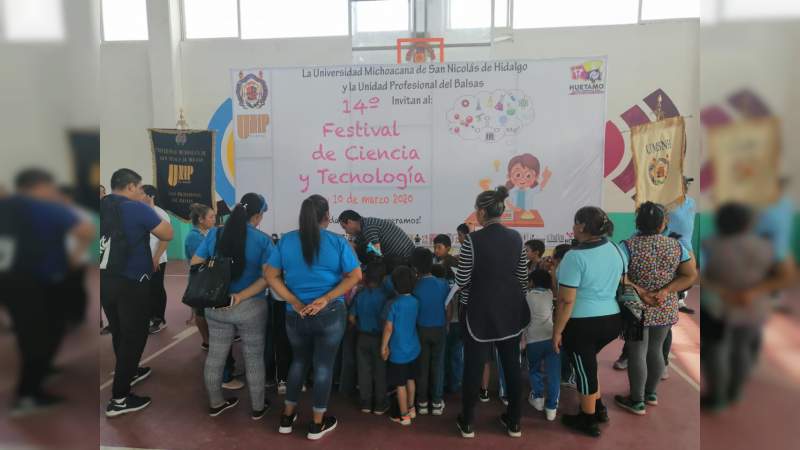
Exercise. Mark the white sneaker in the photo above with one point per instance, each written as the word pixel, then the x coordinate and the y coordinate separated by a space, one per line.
pixel 665 375
pixel 233 385
pixel 537 403
pixel 550 413
pixel 281 388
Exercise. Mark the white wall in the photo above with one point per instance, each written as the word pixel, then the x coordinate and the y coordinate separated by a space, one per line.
pixel 47 89
pixel 641 59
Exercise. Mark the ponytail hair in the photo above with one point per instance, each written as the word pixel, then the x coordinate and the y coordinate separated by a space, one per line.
pixel 649 218
pixel 234 234
pixel 312 212
pixel 595 221
pixel 197 212
pixel 493 202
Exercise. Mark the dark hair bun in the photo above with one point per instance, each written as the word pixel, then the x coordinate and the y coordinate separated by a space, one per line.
pixel 502 193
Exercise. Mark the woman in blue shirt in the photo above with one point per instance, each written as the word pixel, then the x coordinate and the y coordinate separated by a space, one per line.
pixel 203 219
pixel 312 269
pixel 587 315
pixel 249 248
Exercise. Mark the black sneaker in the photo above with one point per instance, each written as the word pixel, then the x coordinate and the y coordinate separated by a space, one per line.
pixel 157 325
pixel 317 430
pixel 228 404
pixel 105 330
pixel 257 415
pixel 600 411
pixel 513 429
pixel 142 373
pixel 581 422
pixel 381 410
pixel 204 346
pixel 129 404
pixel 237 338
pixel 287 422
pixel 484 395
pixel 34 404
pixel 464 428
pixel 686 310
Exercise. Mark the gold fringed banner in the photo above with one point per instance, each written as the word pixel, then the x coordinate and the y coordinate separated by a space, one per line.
pixel 744 156
pixel 657 149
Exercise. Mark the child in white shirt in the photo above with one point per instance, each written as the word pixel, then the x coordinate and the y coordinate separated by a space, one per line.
pixel 539 339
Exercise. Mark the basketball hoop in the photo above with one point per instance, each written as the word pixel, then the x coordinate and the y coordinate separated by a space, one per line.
pixel 419 50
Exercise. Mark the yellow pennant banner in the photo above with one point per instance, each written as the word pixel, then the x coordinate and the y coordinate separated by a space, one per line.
pixel 657 149
pixel 744 156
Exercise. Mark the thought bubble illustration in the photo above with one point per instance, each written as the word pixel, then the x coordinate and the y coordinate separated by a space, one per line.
pixel 490 116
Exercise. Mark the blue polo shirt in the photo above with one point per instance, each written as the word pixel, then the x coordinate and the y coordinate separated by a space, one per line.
pixel 431 293
pixel 258 248
pixel 681 221
pixel 335 259
pixel 367 308
pixel 138 220
pixel 404 343
pixel 775 225
pixel 594 270
pixel 192 242
pixel 49 223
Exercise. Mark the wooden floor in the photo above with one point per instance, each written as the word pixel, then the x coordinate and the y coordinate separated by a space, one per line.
pixel 177 418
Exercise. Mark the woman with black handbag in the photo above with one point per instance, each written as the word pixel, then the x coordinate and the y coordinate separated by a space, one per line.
pixel 246 249
pixel 587 316
pixel 662 266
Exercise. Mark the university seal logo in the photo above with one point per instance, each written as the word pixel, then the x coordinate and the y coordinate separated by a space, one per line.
pixel 251 90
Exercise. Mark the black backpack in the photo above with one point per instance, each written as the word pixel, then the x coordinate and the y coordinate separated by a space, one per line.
pixel 114 246
pixel 20 250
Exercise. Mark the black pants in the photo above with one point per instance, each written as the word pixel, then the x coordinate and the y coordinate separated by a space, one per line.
pixel 158 295
pixel 277 349
pixel 128 311
pixel 475 356
pixel 33 323
pixel 431 341
pixel 371 372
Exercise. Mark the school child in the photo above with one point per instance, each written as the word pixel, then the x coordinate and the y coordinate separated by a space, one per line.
pixel 400 344
pixel 539 345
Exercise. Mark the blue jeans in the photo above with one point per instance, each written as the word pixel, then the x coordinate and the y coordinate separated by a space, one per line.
pixel 315 341
pixel 539 352
pixel 454 358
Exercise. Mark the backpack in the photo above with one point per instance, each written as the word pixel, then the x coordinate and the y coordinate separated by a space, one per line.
pixel 20 250
pixel 114 246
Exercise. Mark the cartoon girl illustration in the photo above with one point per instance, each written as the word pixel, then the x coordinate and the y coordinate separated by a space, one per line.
pixel 523 181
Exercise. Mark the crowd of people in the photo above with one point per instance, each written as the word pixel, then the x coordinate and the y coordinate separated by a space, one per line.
pixel 402 325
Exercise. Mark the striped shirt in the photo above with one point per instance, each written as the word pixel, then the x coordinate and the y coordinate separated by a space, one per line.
pixel 465 266
pixel 392 239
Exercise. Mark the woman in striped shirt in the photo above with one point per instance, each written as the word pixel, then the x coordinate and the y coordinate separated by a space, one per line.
pixel 492 273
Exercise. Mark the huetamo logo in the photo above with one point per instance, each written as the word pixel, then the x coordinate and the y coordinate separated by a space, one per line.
pixel 179 173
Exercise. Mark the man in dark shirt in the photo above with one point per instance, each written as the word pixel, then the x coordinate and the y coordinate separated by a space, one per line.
pixel 34 261
pixel 384 235
pixel 124 290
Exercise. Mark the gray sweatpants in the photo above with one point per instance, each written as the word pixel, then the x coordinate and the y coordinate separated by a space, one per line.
pixel 250 318
pixel 646 362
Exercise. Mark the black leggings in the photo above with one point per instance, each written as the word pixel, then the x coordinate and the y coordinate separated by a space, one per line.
pixel 583 338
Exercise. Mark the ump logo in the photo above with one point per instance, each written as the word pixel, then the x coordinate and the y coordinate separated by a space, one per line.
pixel 251 90
pixel 587 78
pixel 179 173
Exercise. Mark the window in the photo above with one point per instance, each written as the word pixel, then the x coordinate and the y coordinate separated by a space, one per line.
pixel 672 9
pixel 124 20
pixel 265 19
pixel 210 19
pixel 748 9
pixel 381 15
pixel 33 20
pixel 574 13
pixel 501 13
pixel 464 14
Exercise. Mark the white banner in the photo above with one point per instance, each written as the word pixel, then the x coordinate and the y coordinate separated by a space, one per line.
pixel 418 143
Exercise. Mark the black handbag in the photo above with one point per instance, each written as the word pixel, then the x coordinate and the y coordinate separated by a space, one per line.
pixel 631 308
pixel 209 284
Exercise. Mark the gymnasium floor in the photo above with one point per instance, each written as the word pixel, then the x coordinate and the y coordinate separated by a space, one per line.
pixel 177 418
